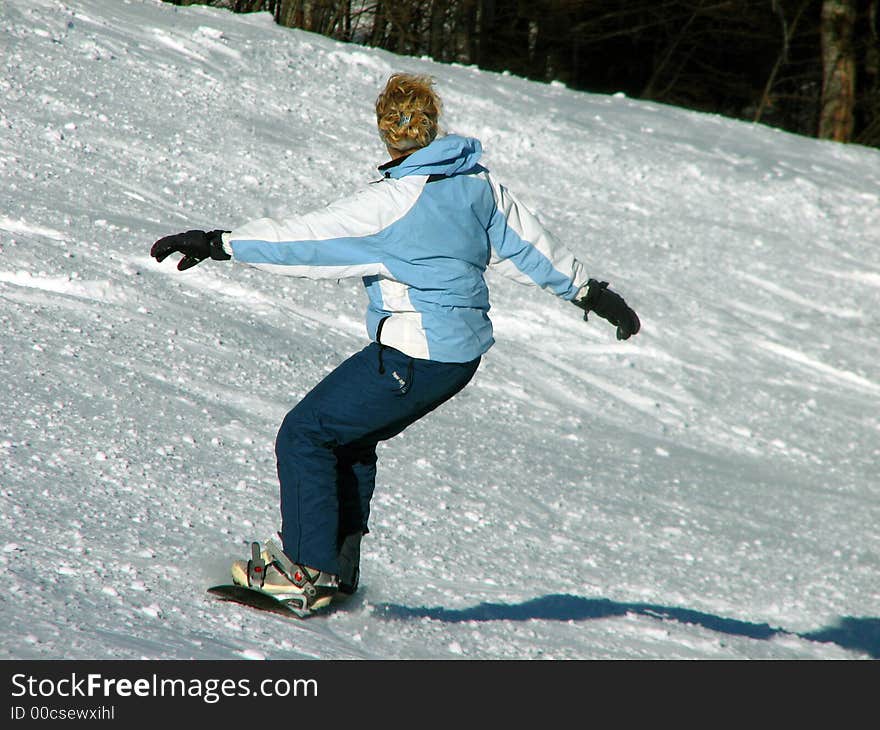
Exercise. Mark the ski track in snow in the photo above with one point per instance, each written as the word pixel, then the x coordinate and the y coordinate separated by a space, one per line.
pixel 706 490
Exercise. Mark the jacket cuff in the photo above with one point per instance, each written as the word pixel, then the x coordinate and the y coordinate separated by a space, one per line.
pixel 226 241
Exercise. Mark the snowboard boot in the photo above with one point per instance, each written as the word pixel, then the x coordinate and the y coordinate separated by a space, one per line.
pixel 350 563
pixel 271 571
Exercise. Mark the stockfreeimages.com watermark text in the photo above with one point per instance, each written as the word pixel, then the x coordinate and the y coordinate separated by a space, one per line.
pixel 96 685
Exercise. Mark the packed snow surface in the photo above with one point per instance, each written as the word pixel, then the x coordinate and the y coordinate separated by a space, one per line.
pixel 706 490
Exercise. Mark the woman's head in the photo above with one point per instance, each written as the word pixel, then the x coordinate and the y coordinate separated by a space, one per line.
pixel 407 112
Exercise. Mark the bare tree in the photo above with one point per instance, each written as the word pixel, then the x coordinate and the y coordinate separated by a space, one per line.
pixel 788 30
pixel 838 70
pixel 870 112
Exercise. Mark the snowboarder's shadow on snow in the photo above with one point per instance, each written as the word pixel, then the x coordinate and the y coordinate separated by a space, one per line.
pixel 858 634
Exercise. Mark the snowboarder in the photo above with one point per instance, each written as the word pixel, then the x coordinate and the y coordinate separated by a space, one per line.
pixel 421 238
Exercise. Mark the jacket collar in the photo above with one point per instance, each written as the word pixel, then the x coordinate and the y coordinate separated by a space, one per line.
pixel 447 156
pixel 386 166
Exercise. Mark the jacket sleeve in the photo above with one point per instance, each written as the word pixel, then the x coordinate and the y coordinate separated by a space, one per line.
pixel 523 250
pixel 340 241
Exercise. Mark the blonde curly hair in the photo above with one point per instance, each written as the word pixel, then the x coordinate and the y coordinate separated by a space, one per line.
pixel 407 112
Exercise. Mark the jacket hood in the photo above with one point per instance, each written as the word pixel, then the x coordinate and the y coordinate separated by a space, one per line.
pixel 448 155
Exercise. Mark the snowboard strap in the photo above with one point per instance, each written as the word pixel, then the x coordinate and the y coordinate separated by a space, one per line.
pixel 277 554
pixel 256 567
pixel 297 574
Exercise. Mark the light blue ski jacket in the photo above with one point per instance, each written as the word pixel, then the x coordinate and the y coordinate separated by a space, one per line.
pixel 422 239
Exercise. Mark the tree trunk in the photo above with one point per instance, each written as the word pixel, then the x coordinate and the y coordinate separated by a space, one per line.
pixel 377 34
pixel 485 53
pixel 466 41
pixel 838 70
pixel 286 11
pixel 437 36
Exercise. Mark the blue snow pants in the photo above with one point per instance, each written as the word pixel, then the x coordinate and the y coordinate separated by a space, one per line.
pixel 326 446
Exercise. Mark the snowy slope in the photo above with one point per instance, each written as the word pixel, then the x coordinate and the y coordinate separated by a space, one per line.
pixel 708 489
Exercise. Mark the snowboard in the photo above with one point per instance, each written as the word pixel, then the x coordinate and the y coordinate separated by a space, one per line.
pixel 255 598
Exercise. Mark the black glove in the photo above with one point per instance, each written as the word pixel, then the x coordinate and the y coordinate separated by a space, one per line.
pixel 609 305
pixel 196 246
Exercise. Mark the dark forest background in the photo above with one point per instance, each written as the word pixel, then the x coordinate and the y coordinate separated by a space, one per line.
pixel 808 66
